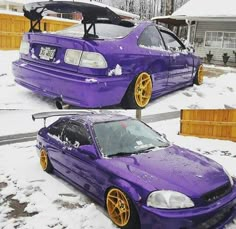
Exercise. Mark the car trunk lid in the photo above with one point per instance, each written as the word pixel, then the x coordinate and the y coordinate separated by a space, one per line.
pixel 49 49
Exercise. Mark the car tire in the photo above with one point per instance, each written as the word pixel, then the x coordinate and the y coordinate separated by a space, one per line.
pixel 45 161
pixel 121 210
pixel 198 79
pixel 139 92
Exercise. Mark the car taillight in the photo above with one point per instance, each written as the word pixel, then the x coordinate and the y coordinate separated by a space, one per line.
pixel 24 47
pixel 72 56
pixel 92 60
pixel 85 59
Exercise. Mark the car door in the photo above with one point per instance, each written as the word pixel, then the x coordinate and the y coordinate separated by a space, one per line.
pixel 81 169
pixel 156 57
pixel 181 61
pixel 55 145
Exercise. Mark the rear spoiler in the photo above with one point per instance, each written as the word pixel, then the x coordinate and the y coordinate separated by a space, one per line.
pixel 45 115
pixel 91 11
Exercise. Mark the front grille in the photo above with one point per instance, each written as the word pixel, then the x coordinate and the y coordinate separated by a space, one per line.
pixel 216 220
pixel 217 193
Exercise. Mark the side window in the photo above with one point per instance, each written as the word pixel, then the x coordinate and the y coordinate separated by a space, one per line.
pixel 75 134
pixel 150 38
pixel 171 41
pixel 57 128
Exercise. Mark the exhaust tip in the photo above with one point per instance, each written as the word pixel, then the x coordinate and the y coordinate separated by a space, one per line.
pixel 59 104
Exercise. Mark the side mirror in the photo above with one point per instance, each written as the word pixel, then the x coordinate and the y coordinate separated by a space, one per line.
pixel 164 137
pixel 88 150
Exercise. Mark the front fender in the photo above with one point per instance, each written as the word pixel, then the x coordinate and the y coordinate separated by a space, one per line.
pixel 127 188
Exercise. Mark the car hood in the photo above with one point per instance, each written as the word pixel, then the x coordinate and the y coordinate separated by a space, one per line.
pixel 172 168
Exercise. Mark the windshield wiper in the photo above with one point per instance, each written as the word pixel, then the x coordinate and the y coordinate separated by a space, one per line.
pixel 146 150
pixel 150 148
pixel 120 154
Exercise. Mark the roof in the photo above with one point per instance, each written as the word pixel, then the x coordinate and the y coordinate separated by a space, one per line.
pixel 207 8
pixel 204 10
pixel 97 118
pixel 85 115
pixel 121 13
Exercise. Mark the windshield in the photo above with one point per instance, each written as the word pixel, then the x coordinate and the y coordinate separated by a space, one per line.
pixel 126 137
pixel 103 31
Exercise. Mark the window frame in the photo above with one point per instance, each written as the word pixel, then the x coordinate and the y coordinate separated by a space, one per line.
pixel 59 121
pixel 174 36
pixel 158 31
pixel 77 123
pixel 222 42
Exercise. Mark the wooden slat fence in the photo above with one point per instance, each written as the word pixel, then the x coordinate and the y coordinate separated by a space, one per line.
pixel 12 27
pixel 217 124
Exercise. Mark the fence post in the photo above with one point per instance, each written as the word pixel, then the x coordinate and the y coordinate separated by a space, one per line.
pixel 138 114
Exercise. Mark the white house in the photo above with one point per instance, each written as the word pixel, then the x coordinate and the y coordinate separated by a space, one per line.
pixel 212 24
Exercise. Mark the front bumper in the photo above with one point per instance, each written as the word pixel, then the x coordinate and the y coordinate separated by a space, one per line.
pixel 215 215
pixel 73 88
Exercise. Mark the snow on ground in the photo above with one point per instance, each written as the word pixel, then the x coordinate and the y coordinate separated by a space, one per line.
pixel 31 198
pixel 219 92
pixel 17 121
pixel 13 96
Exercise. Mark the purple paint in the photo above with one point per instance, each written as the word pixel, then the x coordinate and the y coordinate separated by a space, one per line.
pixel 90 87
pixel 169 168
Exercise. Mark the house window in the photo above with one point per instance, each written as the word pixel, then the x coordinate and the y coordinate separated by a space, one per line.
pixel 226 40
pixel 229 40
pixel 214 39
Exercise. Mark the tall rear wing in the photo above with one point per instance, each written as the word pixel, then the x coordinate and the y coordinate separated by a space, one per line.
pixel 45 115
pixel 91 12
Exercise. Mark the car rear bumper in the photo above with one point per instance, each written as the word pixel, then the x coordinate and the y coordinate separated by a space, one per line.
pixel 215 215
pixel 73 88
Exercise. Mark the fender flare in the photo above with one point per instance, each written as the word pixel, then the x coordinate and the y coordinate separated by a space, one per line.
pixel 126 187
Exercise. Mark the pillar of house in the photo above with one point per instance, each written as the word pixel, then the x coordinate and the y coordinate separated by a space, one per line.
pixel 7 6
pixel 189 23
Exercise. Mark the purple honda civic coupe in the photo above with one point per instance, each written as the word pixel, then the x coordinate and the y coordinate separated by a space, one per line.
pixel 141 179
pixel 104 60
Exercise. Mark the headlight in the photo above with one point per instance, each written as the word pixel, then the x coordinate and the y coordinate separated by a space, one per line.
pixel 72 56
pixel 169 200
pixel 92 60
pixel 229 176
pixel 24 47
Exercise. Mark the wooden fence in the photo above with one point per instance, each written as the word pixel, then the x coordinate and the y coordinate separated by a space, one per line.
pixel 13 26
pixel 218 124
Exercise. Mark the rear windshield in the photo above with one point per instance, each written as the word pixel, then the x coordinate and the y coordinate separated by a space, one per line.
pixel 103 31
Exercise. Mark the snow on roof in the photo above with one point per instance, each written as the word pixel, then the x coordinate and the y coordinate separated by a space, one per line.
pixel 207 8
pixel 116 10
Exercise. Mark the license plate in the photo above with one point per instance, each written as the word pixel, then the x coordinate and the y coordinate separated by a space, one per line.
pixel 47 53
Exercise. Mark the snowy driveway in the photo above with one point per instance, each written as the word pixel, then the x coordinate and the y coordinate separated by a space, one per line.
pixel 30 198
pixel 214 93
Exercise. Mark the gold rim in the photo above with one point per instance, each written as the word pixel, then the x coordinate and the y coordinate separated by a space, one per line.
pixel 118 207
pixel 143 89
pixel 43 159
pixel 200 74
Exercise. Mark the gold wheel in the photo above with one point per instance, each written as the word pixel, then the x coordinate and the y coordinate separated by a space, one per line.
pixel 200 74
pixel 143 89
pixel 44 159
pixel 118 207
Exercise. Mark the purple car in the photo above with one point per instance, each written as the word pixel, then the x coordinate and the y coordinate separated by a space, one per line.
pixel 104 61
pixel 141 179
